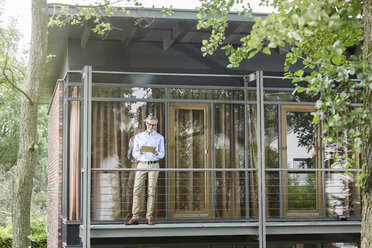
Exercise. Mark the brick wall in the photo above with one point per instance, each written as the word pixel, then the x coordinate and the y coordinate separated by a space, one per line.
pixel 54 224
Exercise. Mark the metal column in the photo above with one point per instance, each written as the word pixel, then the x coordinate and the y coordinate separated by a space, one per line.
pixel 166 174
pixel 261 160
pixel 213 162
pixel 64 150
pixel 87 79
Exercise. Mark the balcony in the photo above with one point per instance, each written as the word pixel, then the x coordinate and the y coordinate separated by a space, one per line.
pixel 239 160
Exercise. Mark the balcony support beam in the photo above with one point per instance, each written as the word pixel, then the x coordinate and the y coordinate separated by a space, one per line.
pixel 223 229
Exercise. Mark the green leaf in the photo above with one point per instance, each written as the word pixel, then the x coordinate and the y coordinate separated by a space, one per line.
pixel 266 50
pixel 316 118
pixel 337 60
pixel 301 89
pixel 299 73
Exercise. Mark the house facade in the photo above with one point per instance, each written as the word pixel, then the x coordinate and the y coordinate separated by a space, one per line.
pixel 243 165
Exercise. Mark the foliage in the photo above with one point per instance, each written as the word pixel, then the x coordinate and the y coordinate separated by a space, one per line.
pixel 12 72
pixel 38 235
pixel 10 145
pixel 9 127
pixel 323 35
pixel 97 16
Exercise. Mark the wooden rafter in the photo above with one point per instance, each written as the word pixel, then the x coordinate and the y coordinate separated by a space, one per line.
pixel 172 36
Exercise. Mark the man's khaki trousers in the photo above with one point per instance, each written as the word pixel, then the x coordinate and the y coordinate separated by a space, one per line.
pixel 139 183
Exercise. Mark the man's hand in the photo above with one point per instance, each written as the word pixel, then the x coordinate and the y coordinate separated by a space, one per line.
pixel 155 153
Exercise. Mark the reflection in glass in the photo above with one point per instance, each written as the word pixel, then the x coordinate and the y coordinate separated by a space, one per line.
pixel 229 153
pixel 206 94
pixel 288 96
pixel 272 194
pixel 272 158
pixel 300 155
pixel 189 134
pixel 301 191
pixel 342 195
pixel 301 144
pixel 128 92
pixel 252 159
pixel 271 136
pixel 337 156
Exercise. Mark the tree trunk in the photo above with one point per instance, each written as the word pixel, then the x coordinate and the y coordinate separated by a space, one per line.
pixel 27 153
pixel 366 235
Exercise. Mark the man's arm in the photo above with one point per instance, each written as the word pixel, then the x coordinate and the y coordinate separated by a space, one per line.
pixel 161 152
pixel 130 148
pixel 136 149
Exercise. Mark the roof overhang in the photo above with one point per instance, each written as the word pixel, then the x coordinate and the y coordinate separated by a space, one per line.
pixel 147 25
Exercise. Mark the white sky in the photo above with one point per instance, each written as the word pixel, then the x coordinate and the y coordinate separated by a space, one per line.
pixel 21 10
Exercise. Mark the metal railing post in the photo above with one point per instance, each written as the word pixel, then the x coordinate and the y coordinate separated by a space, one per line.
pixel 261 160
pixel 87 79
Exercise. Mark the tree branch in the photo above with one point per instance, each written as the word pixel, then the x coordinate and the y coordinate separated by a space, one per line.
pixel 2 155
pixel 11 82
pixel 5 68
pixel 5 131
pixel 4 212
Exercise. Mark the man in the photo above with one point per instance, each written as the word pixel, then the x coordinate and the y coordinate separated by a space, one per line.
pixel 148 148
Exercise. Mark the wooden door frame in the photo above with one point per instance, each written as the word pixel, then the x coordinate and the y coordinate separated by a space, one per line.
pixel 207 132
pixel 318 164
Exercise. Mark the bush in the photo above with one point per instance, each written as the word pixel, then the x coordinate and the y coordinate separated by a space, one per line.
pixel 6 237
pixel 38 234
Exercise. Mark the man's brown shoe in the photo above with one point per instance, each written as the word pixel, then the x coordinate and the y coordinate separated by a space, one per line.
pixel 129 216
pixel 132 222
pixel 150 222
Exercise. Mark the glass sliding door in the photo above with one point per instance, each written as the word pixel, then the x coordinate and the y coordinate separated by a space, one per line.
pixel 189 148
pixel 301 152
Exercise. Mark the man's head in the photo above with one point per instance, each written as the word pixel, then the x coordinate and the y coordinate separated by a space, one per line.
pixel 151 122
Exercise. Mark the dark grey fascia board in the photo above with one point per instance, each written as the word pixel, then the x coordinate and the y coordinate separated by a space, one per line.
pixel 179 14
pixel 224 229
pixel 173 230
pixel 316 227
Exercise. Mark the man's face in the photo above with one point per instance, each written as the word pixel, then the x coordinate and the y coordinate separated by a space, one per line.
pixel 150 126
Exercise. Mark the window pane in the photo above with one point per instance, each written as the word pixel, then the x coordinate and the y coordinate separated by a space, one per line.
pixel 113 125
pixel 301 191
pixel 272 194
pixel 229 153
pixel 300 140
pixel 271 136
pixel 74 158
pixel 112 196
pixel 301 144
pixel 189 132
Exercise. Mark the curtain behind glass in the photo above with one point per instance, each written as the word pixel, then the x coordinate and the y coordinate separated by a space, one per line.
pixel 253 159
pixel 74 159
pixel 229 153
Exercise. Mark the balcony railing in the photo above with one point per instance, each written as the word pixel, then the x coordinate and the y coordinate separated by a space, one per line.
pixel 210 195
